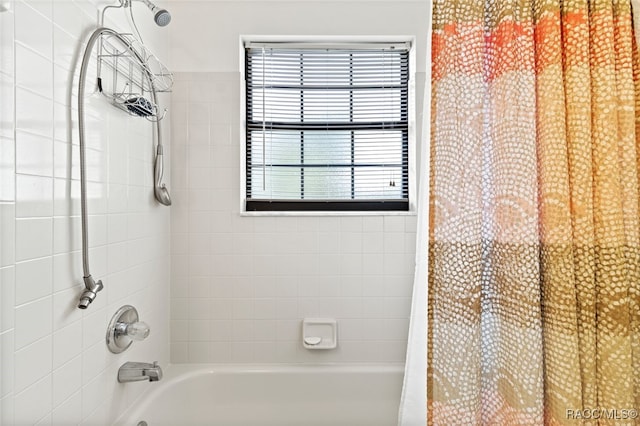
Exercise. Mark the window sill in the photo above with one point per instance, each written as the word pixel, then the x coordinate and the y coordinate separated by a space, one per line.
pixel 245 213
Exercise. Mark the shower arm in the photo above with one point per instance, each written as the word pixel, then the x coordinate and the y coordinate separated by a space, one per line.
pixel 92 287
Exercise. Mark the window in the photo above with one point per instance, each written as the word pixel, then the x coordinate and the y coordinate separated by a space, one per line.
pixel 327 127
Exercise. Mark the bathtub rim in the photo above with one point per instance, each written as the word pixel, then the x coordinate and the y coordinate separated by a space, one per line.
pixel 174 374
pixel 173 371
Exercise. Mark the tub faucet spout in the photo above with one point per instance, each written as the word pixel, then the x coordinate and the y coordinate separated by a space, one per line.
pixel 136 371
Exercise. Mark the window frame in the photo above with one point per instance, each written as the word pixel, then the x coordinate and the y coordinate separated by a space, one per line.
pixel 338 207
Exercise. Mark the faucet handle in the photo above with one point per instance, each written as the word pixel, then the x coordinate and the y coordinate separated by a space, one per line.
pixel 124 328
pixel 138 330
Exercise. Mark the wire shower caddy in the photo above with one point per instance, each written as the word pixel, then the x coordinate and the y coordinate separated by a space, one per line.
pixel 128 74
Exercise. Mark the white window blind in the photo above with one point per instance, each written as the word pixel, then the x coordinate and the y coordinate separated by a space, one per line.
pixel 327 127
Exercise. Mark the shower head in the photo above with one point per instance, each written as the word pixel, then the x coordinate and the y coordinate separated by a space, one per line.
pixel 162 195
pixel 161 16
pixel 160 190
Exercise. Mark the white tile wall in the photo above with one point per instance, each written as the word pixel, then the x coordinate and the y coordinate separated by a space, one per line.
pixel 54 365
pixel 204 34
pixel 7 217
pixel 240 286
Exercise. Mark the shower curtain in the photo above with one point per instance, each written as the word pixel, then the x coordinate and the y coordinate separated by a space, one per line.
pixel 534 233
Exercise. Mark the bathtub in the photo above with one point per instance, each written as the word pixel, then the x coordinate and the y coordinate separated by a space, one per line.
pixel 261 395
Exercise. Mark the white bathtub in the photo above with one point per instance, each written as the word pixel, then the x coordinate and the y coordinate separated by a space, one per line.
pixel 261 395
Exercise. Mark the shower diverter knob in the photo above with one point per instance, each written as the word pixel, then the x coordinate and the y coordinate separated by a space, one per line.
pixel 135 331
pixel 124 328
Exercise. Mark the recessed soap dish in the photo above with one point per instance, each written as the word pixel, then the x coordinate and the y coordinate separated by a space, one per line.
pixel 319 333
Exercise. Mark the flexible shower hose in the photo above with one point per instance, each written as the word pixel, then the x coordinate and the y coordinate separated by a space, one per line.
pixel 92 287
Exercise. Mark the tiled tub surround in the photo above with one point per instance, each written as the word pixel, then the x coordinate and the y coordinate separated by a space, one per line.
pixel 54 365
pixel 240 285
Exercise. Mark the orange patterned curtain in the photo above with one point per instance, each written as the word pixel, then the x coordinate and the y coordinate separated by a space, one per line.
pixel 534 274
